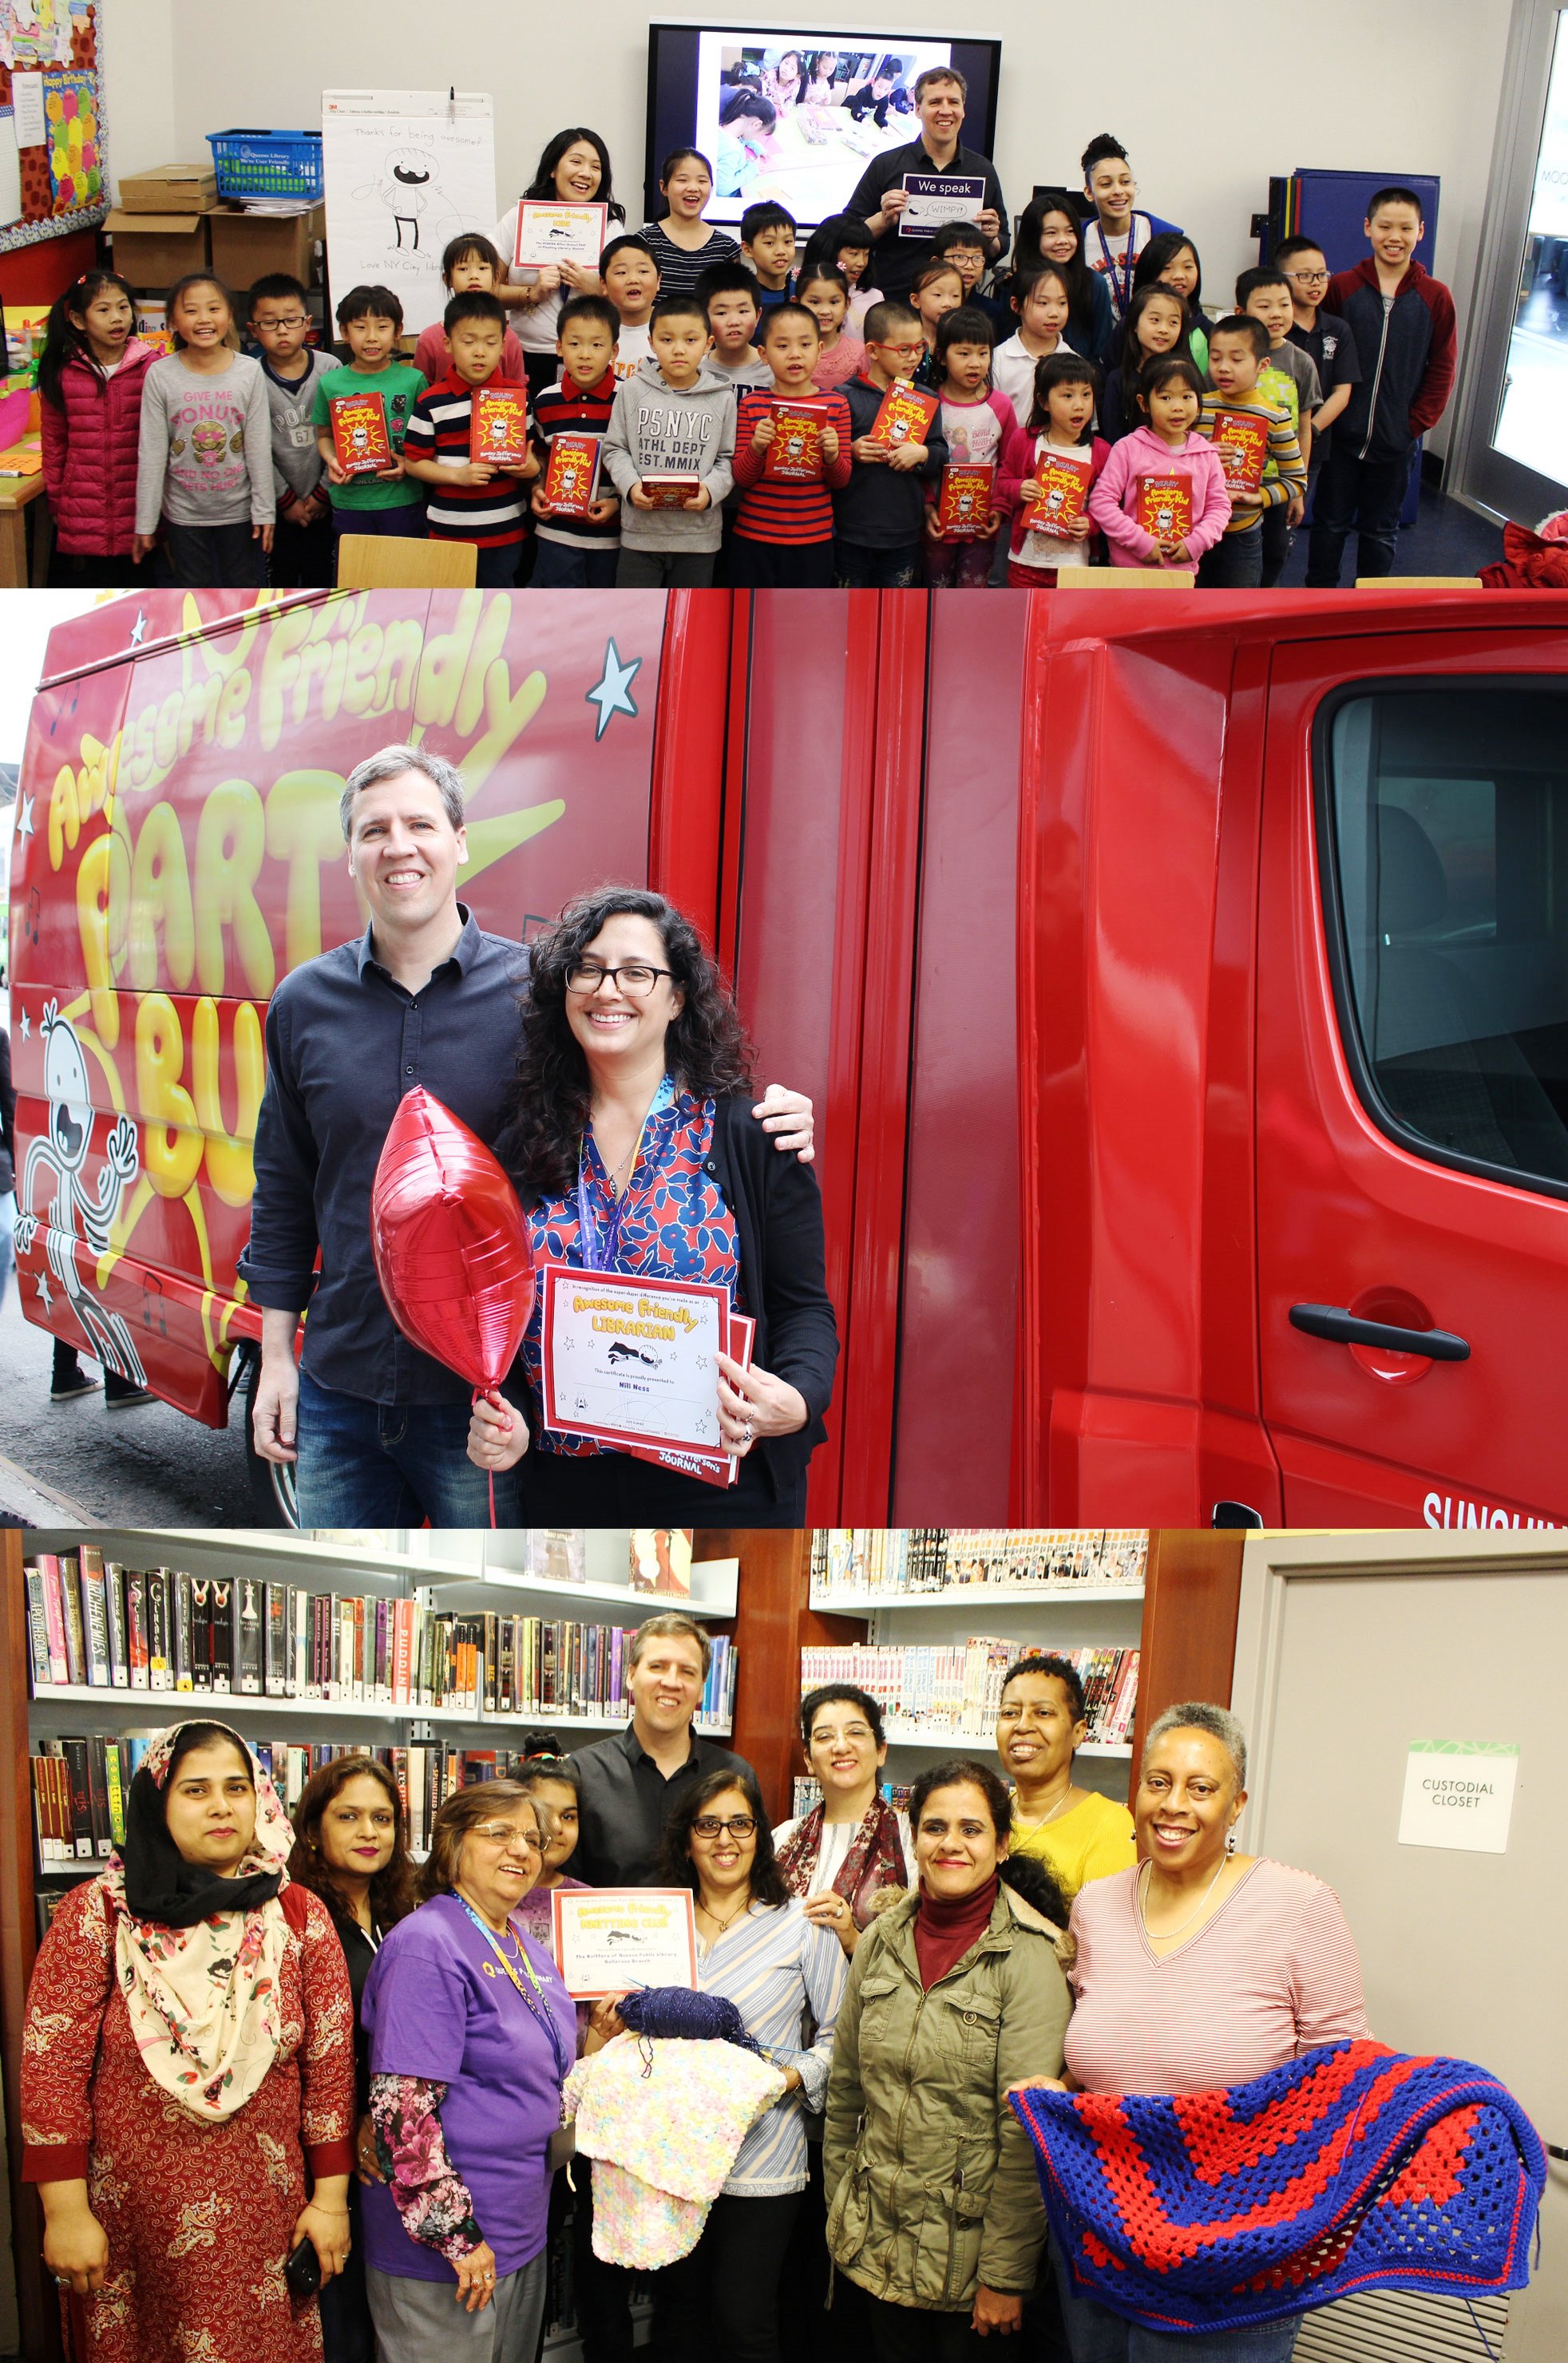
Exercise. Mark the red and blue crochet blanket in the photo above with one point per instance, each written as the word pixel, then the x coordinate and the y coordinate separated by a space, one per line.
pixel 1352 2167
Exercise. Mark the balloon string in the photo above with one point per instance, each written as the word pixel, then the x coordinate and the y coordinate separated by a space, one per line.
pixel 482 1395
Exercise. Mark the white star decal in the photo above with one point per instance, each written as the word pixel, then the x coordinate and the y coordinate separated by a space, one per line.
pixel 138 628
pixel 25 819
pixel 611 693
pixel 27 1027
pixel 45 1299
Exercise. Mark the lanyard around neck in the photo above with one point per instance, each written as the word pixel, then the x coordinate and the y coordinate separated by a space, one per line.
pixel 540 2007
pixel 1120 276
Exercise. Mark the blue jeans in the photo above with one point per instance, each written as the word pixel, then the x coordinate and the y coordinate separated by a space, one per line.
pixel 559 566
pixel 1095 2335
pixel 1236 561
pixel 365 1464
pixel 8 1238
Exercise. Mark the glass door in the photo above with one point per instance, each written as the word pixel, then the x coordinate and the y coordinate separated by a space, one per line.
pixel 1511 436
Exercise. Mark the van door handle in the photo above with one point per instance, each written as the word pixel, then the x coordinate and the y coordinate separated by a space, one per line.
pixel 1343 1328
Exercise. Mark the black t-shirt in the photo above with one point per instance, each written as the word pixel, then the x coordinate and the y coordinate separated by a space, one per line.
pixel 1333 346
pixel 623 1801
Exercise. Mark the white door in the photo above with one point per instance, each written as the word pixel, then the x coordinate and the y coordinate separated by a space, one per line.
pixel 1350 1649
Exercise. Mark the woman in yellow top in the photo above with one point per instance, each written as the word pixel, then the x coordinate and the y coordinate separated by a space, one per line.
pixel 1076 1833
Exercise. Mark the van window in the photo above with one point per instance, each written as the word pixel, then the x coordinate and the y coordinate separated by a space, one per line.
pixel 1443 821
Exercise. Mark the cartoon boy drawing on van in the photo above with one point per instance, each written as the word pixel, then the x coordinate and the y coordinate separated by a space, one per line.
pixel 73 1212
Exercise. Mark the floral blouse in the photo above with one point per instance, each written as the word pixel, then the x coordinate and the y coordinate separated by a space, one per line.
pixel 673 1224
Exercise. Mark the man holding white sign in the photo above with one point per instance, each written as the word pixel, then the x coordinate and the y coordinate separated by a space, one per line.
pixel 882 195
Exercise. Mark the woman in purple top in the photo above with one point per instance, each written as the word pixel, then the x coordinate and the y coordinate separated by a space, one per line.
pixel 471 2033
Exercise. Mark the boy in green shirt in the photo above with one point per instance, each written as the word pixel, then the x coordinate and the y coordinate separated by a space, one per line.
pixel 370 321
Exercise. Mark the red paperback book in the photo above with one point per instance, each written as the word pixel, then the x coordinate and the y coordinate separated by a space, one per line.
pixel 498 425
pixel 1241 439
pixel 964 505
pixel 669 492
pixel 1054 496
pixel 360 441
pixel 794 456
pixel 906 412
pixel 572 474
pixel 1164 508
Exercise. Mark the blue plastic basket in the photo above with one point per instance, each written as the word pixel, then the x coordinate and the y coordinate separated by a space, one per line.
pixel 266 163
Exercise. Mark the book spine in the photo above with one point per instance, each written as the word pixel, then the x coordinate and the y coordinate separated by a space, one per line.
pixel 136 1629
pixel 81 1846
pixel 221 1634
pixel 201 1633
pixel 71 1600
pixel 114 1770
pixel 160 1670
pixel 273 1676
pixel 248 1643
pixel 114 1606
pixel 299 1627
pixel 99 1796
pixel 180 1630
pixel 55 1617
pixel 37 1628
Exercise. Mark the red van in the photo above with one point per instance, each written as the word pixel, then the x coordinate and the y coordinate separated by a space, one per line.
pixel 1183 984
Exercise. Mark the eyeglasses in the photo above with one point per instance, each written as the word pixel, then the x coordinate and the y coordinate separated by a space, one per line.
pixel 497 1834
pixel 708 1825
pixel 292 320
pixel 635 977
pixel 1307 277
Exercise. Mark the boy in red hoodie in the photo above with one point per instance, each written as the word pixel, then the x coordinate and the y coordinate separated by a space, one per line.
pixel 1402 322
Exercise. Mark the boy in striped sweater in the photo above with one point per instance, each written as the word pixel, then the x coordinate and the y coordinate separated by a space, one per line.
pixel 792 452
pixel 1248 430
pixel 574 552
pixel 470 500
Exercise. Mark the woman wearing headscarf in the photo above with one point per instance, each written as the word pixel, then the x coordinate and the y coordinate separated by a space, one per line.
pixel 187 2063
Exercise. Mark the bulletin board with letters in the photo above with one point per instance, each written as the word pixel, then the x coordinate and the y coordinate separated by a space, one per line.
pixel 52 176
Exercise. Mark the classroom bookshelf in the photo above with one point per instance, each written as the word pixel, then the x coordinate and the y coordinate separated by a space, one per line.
pixel 419 1582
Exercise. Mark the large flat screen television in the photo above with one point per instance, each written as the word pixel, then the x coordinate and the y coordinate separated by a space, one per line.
pixel 796 114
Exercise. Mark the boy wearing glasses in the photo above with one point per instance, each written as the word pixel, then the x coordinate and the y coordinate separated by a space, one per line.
pixel 1323 336
pixel 280 325
pixel 879 518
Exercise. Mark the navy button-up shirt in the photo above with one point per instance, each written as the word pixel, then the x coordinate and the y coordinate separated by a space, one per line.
pixel 345 1040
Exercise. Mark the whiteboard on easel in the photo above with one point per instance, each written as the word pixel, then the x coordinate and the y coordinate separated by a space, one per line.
pixel 405 172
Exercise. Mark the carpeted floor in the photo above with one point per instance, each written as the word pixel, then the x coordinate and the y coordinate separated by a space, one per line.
pixel 1446 538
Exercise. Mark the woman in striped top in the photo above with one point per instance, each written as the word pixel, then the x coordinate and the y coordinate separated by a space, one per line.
pixel 785 1977
pixel 683 244
pixel 1198 1968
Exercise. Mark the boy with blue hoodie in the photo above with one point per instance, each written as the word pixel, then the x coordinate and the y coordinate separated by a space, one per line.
pixel 674 418
pixel 1403 323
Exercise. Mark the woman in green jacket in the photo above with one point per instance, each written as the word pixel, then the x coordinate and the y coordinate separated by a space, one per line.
pixel 955 1992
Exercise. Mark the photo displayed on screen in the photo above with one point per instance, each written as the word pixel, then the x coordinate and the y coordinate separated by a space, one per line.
pixel 798 117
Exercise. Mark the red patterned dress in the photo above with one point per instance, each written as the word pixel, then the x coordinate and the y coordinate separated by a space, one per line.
pixel 199 2217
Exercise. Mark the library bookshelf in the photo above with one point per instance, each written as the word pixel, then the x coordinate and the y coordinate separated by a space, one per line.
pixel 465 1575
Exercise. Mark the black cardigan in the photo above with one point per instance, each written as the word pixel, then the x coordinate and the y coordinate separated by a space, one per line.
pixel 777 1207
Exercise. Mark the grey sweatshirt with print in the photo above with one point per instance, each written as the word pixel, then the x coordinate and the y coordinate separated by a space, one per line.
pixel 205 450
pixel 656 429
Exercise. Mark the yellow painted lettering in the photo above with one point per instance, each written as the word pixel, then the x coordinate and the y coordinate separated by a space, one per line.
pixel 303 830
pixel 280 664
pixel 98 893
pixel 506 717
pixel 230 849
pixel 231 709
pixel 363 664
pixel 399 668
pixel 170 1138
pixel 161 903
pixel 229 1166
pixel 444 662
pixel 64 815
pixel 489 644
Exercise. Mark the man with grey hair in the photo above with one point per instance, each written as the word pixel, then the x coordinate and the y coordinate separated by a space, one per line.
pixel 378 1431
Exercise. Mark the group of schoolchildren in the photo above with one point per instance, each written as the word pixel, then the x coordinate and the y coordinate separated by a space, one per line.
pixel 1086 392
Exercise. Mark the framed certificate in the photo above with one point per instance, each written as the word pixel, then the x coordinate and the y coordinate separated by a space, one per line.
pixel 613 1940
pixel 936 198
pixel 548 232
pixel 631 1361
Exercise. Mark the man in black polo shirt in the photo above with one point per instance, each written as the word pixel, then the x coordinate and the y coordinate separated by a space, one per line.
pixel 628 1784
pixel 939 92
pixel 378 1430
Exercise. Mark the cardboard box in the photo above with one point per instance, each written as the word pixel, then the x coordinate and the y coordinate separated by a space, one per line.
pixel 154 250
pixel 246 247
pixel 170 189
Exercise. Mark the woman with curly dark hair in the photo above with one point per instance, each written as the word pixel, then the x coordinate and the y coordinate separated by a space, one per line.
pixel 631 1144
pixel 351 1848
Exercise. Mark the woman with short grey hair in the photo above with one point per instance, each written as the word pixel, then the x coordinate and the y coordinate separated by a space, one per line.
pixel 1201 1967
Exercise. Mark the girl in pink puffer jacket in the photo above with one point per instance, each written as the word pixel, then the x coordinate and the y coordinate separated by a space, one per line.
pixel 90 380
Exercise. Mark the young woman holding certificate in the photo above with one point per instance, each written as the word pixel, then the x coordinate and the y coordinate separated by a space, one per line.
pixel 633 1150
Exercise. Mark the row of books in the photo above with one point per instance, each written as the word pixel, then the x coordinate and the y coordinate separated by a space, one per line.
pixel 96 1624
pixel 946 1559
pixel 80 1786
pixel 807 1792
pixel 951 1689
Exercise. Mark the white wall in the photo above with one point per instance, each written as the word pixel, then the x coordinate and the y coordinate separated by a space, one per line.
pixel 1210 99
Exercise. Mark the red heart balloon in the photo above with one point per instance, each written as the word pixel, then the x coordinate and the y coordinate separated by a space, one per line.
pixel 451 1248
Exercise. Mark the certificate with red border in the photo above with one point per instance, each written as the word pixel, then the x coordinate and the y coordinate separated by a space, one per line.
pixel 615 1940
pixel 549 232
pixel 630 1361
